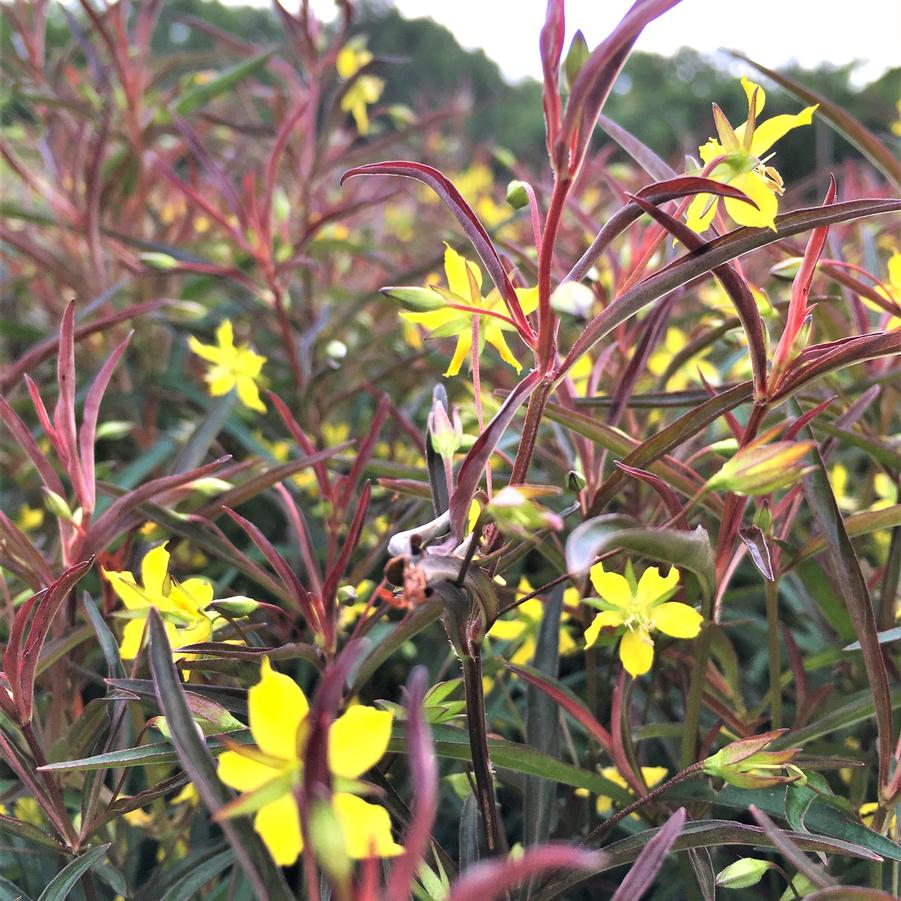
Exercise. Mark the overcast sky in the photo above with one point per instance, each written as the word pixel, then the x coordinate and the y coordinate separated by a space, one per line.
pixel 774 32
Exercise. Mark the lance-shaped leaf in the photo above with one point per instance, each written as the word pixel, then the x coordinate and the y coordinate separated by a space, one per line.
pixel 659 192
pixel 595 81
pixel 686 550
pixel 648 864
pixel 477 459
pixel 494 878
pixel 469 222
pixel 550 45
pixel 36 615
pixel 66 879
pixel 712 254
pixel 226 80
pixel 735 286
pixel 851 585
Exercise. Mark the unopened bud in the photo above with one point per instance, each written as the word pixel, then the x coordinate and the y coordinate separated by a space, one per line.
pixel 576 56
pixel 517 195
pixel 238 605
pixel 57 505
pixel 761 469
pixel 743 873
pixel 162 261
pixel 445 432
pixel 746 764
pixel 417 300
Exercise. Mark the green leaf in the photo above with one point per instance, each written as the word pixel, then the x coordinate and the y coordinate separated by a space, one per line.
pixel 191 883
pixel 687 550
pixel 453 743
pixel 226 80
pixel 10 892
pixel 67 878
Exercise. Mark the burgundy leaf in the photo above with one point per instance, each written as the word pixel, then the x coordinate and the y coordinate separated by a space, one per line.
pixel 468 220
pixel 647 865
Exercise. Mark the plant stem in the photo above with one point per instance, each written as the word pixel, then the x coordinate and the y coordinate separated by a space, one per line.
pixel 695 694
pixel 772 621
pixel 478 746
pixel 534 413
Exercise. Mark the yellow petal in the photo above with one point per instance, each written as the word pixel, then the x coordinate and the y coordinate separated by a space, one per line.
pixel 495 337
pixel 455 268
pixel 225 335
pixel 767 133
pixel 131 638
pixel 507 629
pixel 357 740
pixel 528 299
pixel 750 87
pixel 701 211
pixel 677 620
pixel 464 344
pixel 611 587
pixel 155 570
pixel 636 651
pixel 249 394
pixel 758 189
pixel 652 775
pixel 276 707
pixel 192 595
pixel 366 827
pixel 524 653
pixel 244 773
pixel 220 381
pixel 205 351
pixel 201 630
pixel 123 583
pixel 278 824
pixel 605 619
pixel 652 587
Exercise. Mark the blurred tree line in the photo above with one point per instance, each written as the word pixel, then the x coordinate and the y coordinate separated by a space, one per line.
pixel 665 101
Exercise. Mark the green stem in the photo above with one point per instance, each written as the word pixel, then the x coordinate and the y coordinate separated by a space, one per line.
pixel 772 621
pixel 695 694
pixel 478 746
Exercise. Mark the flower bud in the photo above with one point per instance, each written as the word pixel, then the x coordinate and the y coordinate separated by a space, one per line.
pixel 238 605
pixel 576 56
pixel 745 763
pixel 517 195
pixel 57 505
pixel 743 873
pixel 445 433
pixel 573 299
pixel 514 510
pixel 760 469
pixel 162 261
pixel 417 300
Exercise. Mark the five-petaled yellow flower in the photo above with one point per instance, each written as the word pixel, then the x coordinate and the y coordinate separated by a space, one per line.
pixel 365 90
pixel 464 287
pixel 182 605
pixel 278 712
pixel 233 367
pixel 522 627
pixel 742 155
pixel 641 609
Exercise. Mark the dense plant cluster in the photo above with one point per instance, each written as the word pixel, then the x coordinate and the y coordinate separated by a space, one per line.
pixel 448 526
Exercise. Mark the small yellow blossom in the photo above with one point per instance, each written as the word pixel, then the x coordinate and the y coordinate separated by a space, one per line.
pixel 641 609
pixel 742 155
pixel 233 367
pixel 521 628
pixel 278 712
pixel 464 281
pixel 29 518
pixel 652 775
pixel 182 605
pixel 365 89
pixel 687 374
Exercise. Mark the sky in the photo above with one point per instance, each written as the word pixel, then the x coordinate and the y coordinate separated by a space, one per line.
pixel 773 32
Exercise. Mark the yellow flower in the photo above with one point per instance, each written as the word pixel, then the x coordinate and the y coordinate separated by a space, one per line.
pixel 867 812
pixel 278 711
pixel 365 90
pixel 686 374
pixel 743 164
pixel 233 367
pixel 523 625
pixel 652 776
pixel 464 281
pixel 29 518
pixel 641 609
pixel 180 604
